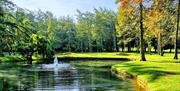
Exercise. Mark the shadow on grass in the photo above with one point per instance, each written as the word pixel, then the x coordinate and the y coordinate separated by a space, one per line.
pixel 153 73
pixel 166 61
pixel 123 54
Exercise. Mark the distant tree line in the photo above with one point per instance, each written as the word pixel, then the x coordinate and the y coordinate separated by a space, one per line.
pixel 135 26
pixel 26 32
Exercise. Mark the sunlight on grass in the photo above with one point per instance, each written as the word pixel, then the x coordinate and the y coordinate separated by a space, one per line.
pixel 133 56
pixel 159 75
pixel 12 58
pixel 95 63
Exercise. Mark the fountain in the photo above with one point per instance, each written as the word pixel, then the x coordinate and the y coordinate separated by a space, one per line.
pixel 55 61
pixel 56 65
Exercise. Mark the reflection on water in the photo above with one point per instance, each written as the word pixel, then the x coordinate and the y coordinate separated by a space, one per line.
pixel 23 77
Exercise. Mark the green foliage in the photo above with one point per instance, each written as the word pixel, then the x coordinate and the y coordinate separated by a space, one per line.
pixel 96 30
pixel 29 33
pixel 159 18
pixel 20 34
pixel 14 58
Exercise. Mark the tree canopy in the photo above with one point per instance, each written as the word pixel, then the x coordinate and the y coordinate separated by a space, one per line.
pixel 137 24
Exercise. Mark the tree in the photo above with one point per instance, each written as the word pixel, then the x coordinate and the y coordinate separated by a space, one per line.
pixel 96 30
pixel 5 20
pixel 153 25
pixel 176 37
pixel 85 30
pixel 159 23
pixel 45 31
pixel 141 33
pixel 105 22
pixel 126 5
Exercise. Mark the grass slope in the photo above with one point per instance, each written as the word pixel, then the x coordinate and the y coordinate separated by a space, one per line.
pixel 160 76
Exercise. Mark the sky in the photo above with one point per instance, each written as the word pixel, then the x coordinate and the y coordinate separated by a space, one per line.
pixel 65 7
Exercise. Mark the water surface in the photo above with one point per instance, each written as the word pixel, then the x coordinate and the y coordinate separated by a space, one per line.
pixel 21 77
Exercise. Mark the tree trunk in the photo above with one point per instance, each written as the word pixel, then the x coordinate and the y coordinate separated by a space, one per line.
pixel 89 44
pixel 97 46
pixel 137 42
pixel 1 52
pixel 123 45
pixel 9 52
pixel 81 46
pixel 170 50
pixel 149 48
pixel 117 47
pixel 69 48
pixel 129 47
pixel 30 59
pixel 162 52
pixel 1 15
pixel 69 44
pixel 115 40
pixel 141 34
pixel 137 50
pixel 176 39
pixel 11 48
pixel 159 44
pixel 102 47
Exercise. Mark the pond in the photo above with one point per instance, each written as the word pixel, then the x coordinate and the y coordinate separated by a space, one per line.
pixel 20 77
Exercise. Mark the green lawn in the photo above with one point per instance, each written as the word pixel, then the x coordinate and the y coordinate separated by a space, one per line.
pixel 161 73
pixel 19 58
pixel 93 54
pixel 134 56
pixel 96 63
pixel 160 76
pixel 12 58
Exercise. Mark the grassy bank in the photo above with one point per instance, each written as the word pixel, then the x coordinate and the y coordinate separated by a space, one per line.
pixel 160 76
pixel 12 58
pixel 19 58
pixel 162 73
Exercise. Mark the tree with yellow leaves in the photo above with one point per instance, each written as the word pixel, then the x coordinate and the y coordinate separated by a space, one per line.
pixel 153 23
pixel 126 8
pixel 159 22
